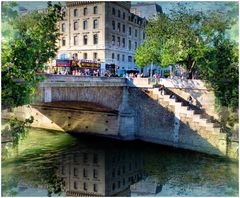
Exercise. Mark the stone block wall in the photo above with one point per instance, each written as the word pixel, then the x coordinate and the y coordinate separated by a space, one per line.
pixel 153 120
pixel 68 119
pixel 107 96
pixel 157 122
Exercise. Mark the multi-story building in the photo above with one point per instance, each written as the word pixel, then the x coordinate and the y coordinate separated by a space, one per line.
pixel 142 9
pixel 103 31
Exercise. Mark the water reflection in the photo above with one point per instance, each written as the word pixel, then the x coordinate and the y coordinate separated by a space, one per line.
pixel 100 172
pixel 52 164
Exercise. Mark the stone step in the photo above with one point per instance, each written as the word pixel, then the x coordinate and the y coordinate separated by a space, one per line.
pixel 203 121
pixel 155 91
pixel 190 113
pixel 195 120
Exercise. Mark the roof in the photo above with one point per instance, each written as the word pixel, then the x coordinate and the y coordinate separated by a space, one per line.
pixel 147 9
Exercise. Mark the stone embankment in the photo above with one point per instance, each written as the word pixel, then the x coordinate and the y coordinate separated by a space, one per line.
pixel 131 110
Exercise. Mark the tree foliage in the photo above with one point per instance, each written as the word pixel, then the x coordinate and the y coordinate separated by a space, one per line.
pixel 28 42
pixel 202 43
pixel 183 36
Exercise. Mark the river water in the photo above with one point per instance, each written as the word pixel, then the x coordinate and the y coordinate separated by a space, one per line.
pixel 58 164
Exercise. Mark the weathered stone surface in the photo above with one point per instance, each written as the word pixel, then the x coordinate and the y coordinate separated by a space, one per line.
pixel 122 112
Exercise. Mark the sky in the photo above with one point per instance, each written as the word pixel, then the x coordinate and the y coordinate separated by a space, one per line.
pixel 166 5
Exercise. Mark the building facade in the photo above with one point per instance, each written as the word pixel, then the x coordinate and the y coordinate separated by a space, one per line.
pixel 101 31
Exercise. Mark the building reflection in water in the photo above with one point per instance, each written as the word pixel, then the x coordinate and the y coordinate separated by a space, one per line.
pixel 98 172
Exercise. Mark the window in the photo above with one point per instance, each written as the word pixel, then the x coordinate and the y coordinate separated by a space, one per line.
pixel 75 25
pixel 75 185
pixel 143 35
pixel 119 184
pixel 123 28
pixel 123 169
pixel 113 11
pixel 118 41
pixel 75 172
pixel 135 45
pixel 95 39
pixel 113 25
pixel 75 55
pixel 85 41
pixel 130 60
pixel 84 55
pixel 95 24
pixel 85 186
pixel 135 33
pixel 129 44
pixel 119 172
pixel 64 13
pixel 63 27
pixel 113 55
pixel 85 170
pixel 123 15
pixel 123 42
pixel 123 181
pixel 113 40
pixel 63 41
pixel 85 24
pixel 95 58
pixel 75 12
pixel 84 11
pixel 95 10
pixel 75 40
pixel 95 173
pixel 113 186
pixel 119 13
pixel 95 156
pixel 130 31
pixel 119 27
pixel 123 58
pixel 118 57
pixel 95 187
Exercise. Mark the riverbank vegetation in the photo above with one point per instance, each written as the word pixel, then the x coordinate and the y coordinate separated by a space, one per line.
pixel 28 42
pixel 204 44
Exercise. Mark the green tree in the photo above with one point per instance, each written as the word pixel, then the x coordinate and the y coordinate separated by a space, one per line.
pixel 28 42
pixel 202 42
pixel 183 36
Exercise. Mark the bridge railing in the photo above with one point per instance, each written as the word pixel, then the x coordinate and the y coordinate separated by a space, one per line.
pixel 82 81
pixel 133 82
pixel 170 83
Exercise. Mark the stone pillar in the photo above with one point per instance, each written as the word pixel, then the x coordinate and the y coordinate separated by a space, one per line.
pixel 126 118
pixel 47 94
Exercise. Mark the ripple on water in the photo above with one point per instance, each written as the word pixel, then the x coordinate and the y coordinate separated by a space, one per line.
pixel 179 172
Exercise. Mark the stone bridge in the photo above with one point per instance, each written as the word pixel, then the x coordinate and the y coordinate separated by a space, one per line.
pixel 125 109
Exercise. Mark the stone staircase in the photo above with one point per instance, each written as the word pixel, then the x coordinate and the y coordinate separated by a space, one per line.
pixel 194 118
